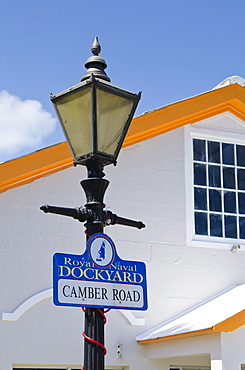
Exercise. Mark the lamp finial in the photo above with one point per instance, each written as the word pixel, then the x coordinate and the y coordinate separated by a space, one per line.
pixel 96 65
pixel 96 48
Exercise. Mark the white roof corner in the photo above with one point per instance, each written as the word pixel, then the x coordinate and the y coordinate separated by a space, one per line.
pixel 230 81
pixel 205 316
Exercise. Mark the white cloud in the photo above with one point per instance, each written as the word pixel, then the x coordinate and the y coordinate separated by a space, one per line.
pixel 24 124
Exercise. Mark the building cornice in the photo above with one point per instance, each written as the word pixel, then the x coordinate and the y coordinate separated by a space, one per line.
pixel 44 162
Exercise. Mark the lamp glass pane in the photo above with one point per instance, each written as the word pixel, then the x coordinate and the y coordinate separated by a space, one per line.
pixel 75 115
pixel 112 115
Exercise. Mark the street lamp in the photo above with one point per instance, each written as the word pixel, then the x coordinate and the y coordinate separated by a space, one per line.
pixel 95 116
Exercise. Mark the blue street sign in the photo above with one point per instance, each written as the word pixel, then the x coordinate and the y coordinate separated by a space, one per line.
pixel 99 278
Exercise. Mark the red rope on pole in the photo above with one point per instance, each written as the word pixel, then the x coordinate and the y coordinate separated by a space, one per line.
pixel 86 232
pixel 102 314
pixel 95 341
pixel 92 340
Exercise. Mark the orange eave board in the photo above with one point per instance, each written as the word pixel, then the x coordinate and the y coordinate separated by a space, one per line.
pixel 231 99
pixel 230 324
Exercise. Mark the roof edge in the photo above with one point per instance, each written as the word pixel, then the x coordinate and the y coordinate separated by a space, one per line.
pixel 177 336
pixel 49 160
pixel 28 168
pixel 232 323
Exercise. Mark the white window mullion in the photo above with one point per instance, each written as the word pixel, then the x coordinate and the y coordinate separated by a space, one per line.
pixel 237 203
pixel 207 188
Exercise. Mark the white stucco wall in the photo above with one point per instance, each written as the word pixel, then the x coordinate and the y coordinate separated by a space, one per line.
pixel 149 185
pixel 233 353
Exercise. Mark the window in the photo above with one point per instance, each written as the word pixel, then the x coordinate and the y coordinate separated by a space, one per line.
pixel 219 188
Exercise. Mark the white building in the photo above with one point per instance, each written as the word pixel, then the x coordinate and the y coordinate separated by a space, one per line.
pixel 182 172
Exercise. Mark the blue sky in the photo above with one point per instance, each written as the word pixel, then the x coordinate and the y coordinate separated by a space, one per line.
pixel 168 49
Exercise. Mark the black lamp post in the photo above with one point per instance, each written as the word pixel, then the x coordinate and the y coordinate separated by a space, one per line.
pixel 95 116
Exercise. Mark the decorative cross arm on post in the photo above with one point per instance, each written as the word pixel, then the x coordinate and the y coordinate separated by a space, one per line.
pixel 82 214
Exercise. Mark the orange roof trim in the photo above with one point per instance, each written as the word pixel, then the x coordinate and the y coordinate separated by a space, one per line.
pixel 231 99
pixel 230 324
pixel 25 169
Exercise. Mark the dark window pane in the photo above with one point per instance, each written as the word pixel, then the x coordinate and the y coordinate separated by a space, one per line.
pixel 213 151
pixel 228 153
pixel 199 152
pixel 230 227
pixel 199 174
pixel 230 201
pixel 241 203
pixel 200 199
pixel 240 152
pixel 215 200
pixel 215 225
pixel 229 177
pixel 201 224
pixel 241 179
pixel 242 227
pixel 214 176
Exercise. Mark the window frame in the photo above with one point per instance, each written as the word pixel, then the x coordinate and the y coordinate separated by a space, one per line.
pixel 210 134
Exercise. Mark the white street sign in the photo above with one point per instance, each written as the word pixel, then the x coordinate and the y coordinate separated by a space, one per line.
pixel 79 292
